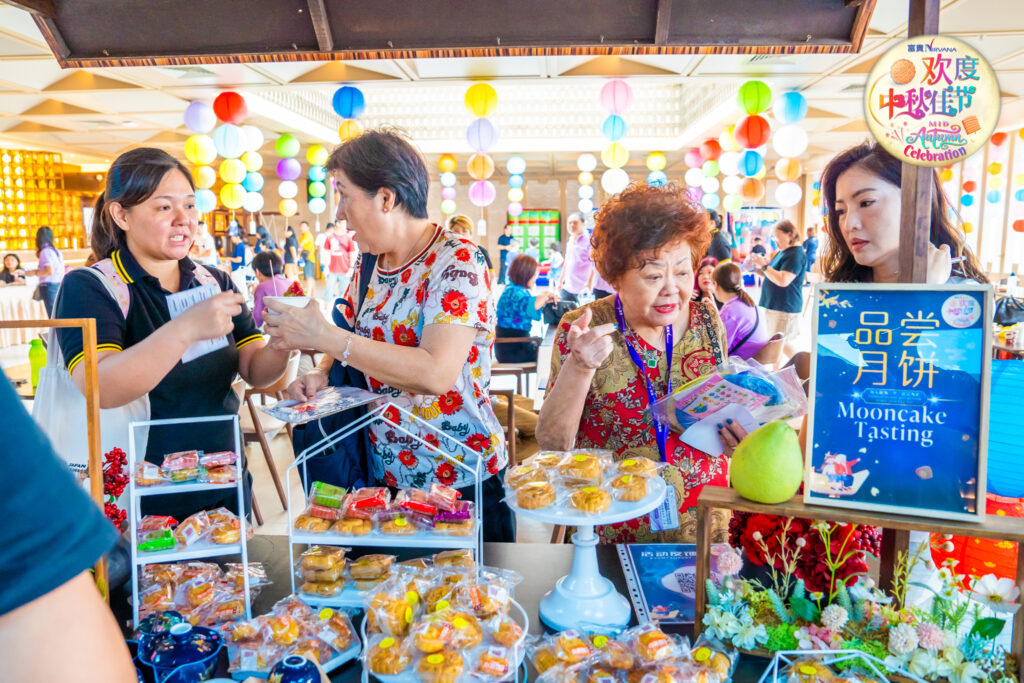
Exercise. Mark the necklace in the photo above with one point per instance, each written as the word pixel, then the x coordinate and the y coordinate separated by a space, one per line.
pixel 427 231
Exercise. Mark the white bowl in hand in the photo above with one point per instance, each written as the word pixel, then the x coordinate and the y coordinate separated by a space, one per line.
pixel 297 301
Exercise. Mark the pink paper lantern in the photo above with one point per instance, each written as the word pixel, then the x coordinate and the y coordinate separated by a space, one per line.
pixel 482 193
pixel 616 96
pixel 693 159
pixel 448 193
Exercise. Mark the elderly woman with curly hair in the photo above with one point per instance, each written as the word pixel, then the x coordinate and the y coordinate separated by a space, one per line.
pixel 617 355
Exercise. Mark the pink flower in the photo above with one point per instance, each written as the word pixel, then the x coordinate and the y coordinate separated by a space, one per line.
pixel 730 563
pixel 930 637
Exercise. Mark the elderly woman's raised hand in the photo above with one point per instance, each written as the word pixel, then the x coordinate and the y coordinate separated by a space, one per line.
pixel 589 346
pixel 291 327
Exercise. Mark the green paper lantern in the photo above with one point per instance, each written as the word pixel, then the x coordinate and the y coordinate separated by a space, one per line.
pixel 287 146
pixel 754 97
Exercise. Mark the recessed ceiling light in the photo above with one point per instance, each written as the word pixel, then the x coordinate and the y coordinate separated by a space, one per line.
pixel 129 123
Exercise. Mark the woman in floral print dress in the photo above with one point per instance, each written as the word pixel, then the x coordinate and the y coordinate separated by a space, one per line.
pixel 423 333
pixel 646 243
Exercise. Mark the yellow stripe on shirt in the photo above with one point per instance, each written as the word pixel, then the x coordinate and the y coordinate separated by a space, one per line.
pixel 81 355
pixel 119 267
pixel 248 340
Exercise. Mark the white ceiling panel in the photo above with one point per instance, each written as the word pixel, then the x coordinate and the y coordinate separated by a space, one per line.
pixel 121 101
pixel 33 74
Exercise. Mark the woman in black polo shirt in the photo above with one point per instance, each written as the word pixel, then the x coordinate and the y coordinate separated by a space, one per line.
pixel 782 292
pixel 142 229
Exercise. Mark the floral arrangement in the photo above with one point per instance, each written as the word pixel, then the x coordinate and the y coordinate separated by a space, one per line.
pixel 951 635
pixel 115 479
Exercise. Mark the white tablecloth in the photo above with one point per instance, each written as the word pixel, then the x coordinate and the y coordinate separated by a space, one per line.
pixel 16 304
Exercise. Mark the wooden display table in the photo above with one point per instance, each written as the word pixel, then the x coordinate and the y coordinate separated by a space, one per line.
pixel 895 538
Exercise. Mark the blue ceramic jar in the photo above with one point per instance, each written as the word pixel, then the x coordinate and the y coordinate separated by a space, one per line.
pixel 184 654
pixel 294 669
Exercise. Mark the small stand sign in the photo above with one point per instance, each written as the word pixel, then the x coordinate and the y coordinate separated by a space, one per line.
pixel 899 399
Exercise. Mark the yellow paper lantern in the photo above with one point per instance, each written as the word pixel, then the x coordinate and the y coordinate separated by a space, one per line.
pixel 232 171
pixel 232 195
pixel 656 161
pixel 728 140
pixel 787 170
pixel 480 167
pixel 316 155
pixel 349 129
pixel 995 168
pixel 253 161
pixel 481 99
pixel 967 227
pixel 515 194
pixel 615 156
pixel 204 177
pixel 1018 180
pixel 995 182
pixel 585 178
pixel 199 149
pixel 945 175
pixel 287 207
pixel 447 163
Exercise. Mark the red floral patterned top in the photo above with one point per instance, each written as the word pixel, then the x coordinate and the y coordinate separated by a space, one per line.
pixel 616 417
pixel 447 283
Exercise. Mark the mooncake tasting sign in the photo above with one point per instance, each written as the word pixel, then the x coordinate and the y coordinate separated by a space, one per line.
pixel 931 100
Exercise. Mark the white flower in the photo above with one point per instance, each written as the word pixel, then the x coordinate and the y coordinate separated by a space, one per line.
pixel 893 662
pixel 801 542
pixel 902 639
pixel 721 625
pixel 750 636
pixel 999 594
pixel 966 672
pixel 923 664
pixel 803 638
pixel 834 617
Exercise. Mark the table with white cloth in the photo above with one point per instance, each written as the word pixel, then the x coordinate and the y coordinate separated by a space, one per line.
pixel 16 304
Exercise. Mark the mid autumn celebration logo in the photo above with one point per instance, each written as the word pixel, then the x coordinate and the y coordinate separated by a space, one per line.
pixel 931 100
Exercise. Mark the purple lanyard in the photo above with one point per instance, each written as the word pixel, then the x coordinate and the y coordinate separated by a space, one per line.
pixel 660 429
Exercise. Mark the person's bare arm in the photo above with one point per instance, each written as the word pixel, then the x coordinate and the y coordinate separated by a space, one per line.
pixel 782 278
pixel 260 365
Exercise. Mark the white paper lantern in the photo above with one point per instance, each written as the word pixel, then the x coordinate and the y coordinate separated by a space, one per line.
pixel 586 162
pixel 317 205
pixel 448 179
pixel 585 206
pixel 709 185
pixel 788 194
pixel 515 165
pixel 710 201
pixel 585 192
pixel 287 189
pixel 694 177
pixel 729 163
pixel 253 138
pixel 253 202
pixel 614 180
pixel 731 184
pixel 790 141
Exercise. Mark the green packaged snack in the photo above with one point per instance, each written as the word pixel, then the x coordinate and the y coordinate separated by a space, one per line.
pixel 157 540
pixel 327 494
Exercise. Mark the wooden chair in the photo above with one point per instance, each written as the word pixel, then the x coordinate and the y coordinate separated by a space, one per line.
pixel 510 422
pixel 520 370
pixel 256 431
pixel 769 354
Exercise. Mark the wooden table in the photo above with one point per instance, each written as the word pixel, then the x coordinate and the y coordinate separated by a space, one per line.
pixel 1012 350
pixel 16 303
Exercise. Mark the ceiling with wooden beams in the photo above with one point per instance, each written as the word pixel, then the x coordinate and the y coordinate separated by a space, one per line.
pixel 548 108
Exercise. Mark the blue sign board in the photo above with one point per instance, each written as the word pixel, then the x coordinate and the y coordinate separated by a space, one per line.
pixel 899 399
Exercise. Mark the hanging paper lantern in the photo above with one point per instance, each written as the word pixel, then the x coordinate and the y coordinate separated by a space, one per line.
pixel 204 177
pixel 585 205
pixel 790 107
pixel 788 194
pixel 448 206
pixel 287 146
pixel 751 163
pixel 317 173
pixel 967 200
pixel 1019 195
pixel 232 171
pixel 482 193
pixel 996 182
pixel 480 166
pixel 1018 179
pixel 481 135
pixel 994 196
pixel 656 161
pixel 945 175
pixel 253 138
pixel 709 185
pixel 515 165
pixel 710 150
pixel 787 170
pixel 614 180
pixel 317 155
pixel 732 203
pixel 710 201
pixel 515 181
pixel 289 169
pixel 967 227
pixel 481 99
pixel 232 195
pixel 585 192
pixel 731 184
pixel 349 129
pixel 657 178
pixel 615 156
pixel 448 193
pixel 287 189
pixel 515 208
pixel 998 139
pixel 252 161
pixel 710 169
pixel 253 202
pixel 253 182
pixel 751 190
pixel 978 557
pixel 586 162
pixel 287 207
pixel 616 96
pixel 316 189
pixel 790 141
pixel 754 97
pixel 200 149
pixel 515 195
pixel 206 201
pixel 729 163
pixel 694 177
pixel 348 102
pixel 971 172
pixel 585 178
pixel 995 168
pixel 317 205
pixel 447 163
pixel 230 107
pixel 753 131
pixel 614 127
pixel 693 159
pixel 1018 225
pixel 728 140
pixel 200 117
pixel 969 186
pixel 448 179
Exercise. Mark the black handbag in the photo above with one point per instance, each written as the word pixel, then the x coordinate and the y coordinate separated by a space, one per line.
pixel 347 464
pixel 1009 311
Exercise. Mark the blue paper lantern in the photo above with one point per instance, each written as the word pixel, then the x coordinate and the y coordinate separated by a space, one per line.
pixel 614 127
pixel 317 173
pixel 230 141
pixel 967 200
pixel 656 178
pixel 515 181
pixel 751 163
pixel 994 196
pixel 790 107
pixel 206 201
pixel 1019 195
pixel 348 102
pixel 817 185
pixel 253 182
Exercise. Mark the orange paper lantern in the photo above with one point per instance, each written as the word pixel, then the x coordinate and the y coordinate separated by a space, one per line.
pixel 447 163
pixel 1018 225
pixel 969 186
pixel 710 149
pixel 787 170
pixel 480 167
pixel 998 139
pixel 751 190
